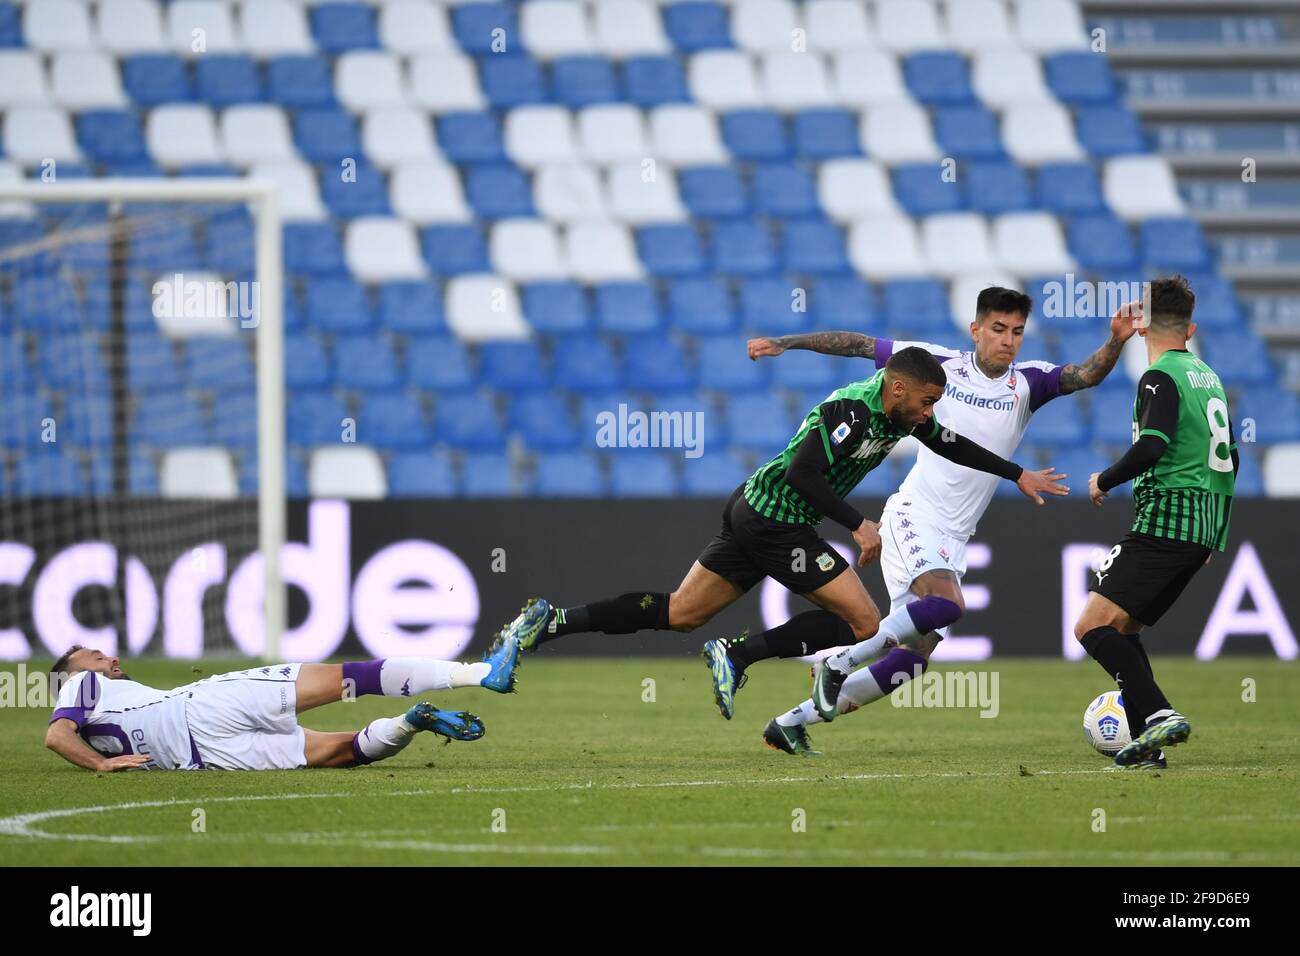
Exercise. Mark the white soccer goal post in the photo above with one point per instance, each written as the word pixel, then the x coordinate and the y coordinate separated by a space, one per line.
pixel 36 203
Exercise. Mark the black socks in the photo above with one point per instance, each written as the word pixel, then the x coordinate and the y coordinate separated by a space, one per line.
pixel 1125 660
pixel 625 614
pixel 803 634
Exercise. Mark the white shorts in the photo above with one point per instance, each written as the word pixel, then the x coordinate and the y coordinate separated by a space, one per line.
pixel 910 546
pixel 248 720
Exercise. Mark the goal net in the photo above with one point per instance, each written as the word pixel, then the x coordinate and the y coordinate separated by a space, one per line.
pixel 141 418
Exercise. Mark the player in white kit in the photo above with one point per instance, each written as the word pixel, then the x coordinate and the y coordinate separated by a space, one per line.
pixel 925 525
pixel 248 720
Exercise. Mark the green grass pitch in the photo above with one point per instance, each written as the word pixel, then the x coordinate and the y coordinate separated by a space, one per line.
pixel 579 768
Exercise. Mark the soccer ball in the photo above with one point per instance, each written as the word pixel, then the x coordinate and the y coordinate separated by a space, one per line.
pixel 1104 725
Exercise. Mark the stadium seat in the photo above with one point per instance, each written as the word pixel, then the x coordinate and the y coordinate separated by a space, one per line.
pixel 468 421
pixel 299 81
pixel 569 474
pixel 366 79
pixel 813 247
pixel 586 365
pixel 700 306
pixel 338 304
pixel 1068 189
pixel 697 26
pixel 724 365
pixel 628 308
pixel 499 191
pixel 1139 187
pixel 643 474
pixel 760 423
pixel 415 26
pixel 1274 414
pixel 974 25
pixel 346 471
pixel 526 250
pixel 484 307
pixel 842 302
pixel 650 81
pixel 993 188
pixel 670 250
pixel 658 365
pixel 513 366
pixel 968 132
pixel 82 80
pixel 445 82
pixel 627 28
pixel 198 473
pixel 454 249
pixel 1078 78
pixel 219 364
pixel 885 247
pixel 1030 243
pixel 584 81
pixel 756 134
pixel 685 135
pixel 1173 245
pixel 1037 133
pixel 715 474
pixel 54 25
pixel 898 133
pixel 392 420
pixel 124 27
pixel 536 135
pixel 365 363
pixel 513 81
pixel 1047 25
pixel 601 252
pixel 422 474
pixel 255 133
pixel 794 81
pixel 908 26
pixel 923 189
pixel 825 134
pixel 1108 131
pixel 1059 424
pixel 1282 471
pixel 723 80
pixel 836 25
pixel 635 201
pixel 340 27
pixel 769 306
pixel 300 199
pixel 1007 76
pixel 867 77
pixel 396 134
pixel 439 363
pixel 938 79
pixel 212 19
pixel 556 307
pixel 608 134
pixel 1102 243
pixel 544 422
pixel 742 247
pixel 713 191
pixel 784 190
pixel 34 134
pixel 850 189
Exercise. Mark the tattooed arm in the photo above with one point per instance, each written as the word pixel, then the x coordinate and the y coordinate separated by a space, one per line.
pixel 852 344
pixel 1098 365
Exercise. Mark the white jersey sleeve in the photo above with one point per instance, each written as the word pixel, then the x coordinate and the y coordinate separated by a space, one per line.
pixel 887 347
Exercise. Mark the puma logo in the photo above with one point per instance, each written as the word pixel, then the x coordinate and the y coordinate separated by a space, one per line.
pixel 1153 388
pixel 1101 577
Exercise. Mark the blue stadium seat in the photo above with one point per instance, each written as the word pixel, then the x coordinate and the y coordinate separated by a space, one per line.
pixel 670 250
pixel 219 364
pixel 475 27
pixel 499 191
pixel 510 81
pixel 784 189
pixel 339 27
pixel 87 420
pixel 1173 245
pixel 70 360
pixel 21 420
pixel 366 195
pixel 111 136
pixel 154 78
pixel 306 364
pixel 299 82
pixel 700 305
pixel 697 26
pixel 1274 411
pixel 488 474
pixel 826 134
pixel 802 370
pixel 50 474
pixel 312 248
pixel 759 422
pixel 768 306
pixel 544 421
pixel 1101 243
pixel 586 365
pixel 920 305
pixel 628 308
pixel 757 135
pixel 1250 476
pixel 1238 360
pixel 843 302
pixel 224 79
pixel 393 420
pixel 513 366
pixel 556 307
pixel 640 473
pixel 650 81
pixel 715 474
pixel 922 190
pixel 1068 189
pixel 743 247
pixel 422 474
pixel 994 188
pixel 658 365
pixel 439 363
pixel 15 377
pixel 938 79
pixel 1077 462
pixel 1109 131
pixel 163 248
pixel 713 191
pixel 234 421
pixel 228 246
pixel 411 306
pixel 1059 424
pixel 11 28
pixel 583 81
pixel 724 365
pixel 43 302
pixel 173 423
pixel 326 135
pixel 471 138
pixel 813 246
pixel 366 363
pixel 1078 78
pixel 339 304
pixel 453 250
pixel 314 418
pixel 569 474
pixel 1112 416
pixel 883 480
pixel 968 132
pixel 1217 307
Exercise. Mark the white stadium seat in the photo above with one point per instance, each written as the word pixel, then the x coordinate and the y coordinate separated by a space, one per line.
pixel 126 27
pixel 629 28
pixel 176 319
pixel 601 252
pixel 554 28
pixel 366 79
pixel 685 136
pixel 415 26
pixel 834 25
pixel 50 25
pixel 24 79
pixel 380 248
pixel 869 78
pixel 636 201
pixel 526 250
pixel 1282 471
pixel 608 134
pixel 908 26
pixel 9 175
pixel 346 471
pixel 396 134
pixel 1036 133
pixel 1031 244
pixel 256 133
pixel 886 247
pixel 963 290
pixel 850 189
pixel 898 133
pixel 299 192
pixel 1137 187
pixel 198 473
pixel 956 242
pixel 723 80
pixel 1050 25
pixel 535 135
pixel 764 25
pixel 482 308
pixel 33 134
pixel 443 82
pixel 795 81
pixel 569 192
pixel 274 28
pixel 975 25
pixel 182 134
pixel 428 192
pixel 85 80
pixel 1004 76
pixel 197 27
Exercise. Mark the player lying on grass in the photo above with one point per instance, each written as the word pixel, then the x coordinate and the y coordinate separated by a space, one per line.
pixel 926 525
pixel 1183 464
pixel 769 530
pixel 248 720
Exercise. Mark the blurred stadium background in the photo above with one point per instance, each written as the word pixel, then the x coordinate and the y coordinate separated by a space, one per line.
pixel 501 219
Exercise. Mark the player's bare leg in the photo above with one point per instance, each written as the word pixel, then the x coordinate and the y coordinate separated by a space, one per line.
pixel 701 596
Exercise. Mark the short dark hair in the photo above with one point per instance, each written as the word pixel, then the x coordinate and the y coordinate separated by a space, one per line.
pixel 997 299
pixel 1171 303
pixel 61 665
pixel 918 365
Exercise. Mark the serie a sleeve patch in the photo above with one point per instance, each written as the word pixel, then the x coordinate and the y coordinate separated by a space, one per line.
pixel 841 432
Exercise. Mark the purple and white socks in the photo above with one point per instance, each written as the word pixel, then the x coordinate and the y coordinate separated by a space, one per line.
pixel 864 686
pixel 381 739
pixel 408 676
pixel 906 624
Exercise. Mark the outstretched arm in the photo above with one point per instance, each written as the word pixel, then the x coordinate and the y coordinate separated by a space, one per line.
pixel 852 344
pixel 63 739
pixel 1098 365
pixel 962 451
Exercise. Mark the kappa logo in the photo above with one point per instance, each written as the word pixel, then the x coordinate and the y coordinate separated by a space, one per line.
pixel 1011 382
pixel 406 688
pixel 963 373
pixel 916 549
pixel 920 564
pixel 943 553
pixel 909 536
pixel 825 561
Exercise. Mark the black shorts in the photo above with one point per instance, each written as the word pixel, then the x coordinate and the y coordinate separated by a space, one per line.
pixel 750 547
pixel 1144 574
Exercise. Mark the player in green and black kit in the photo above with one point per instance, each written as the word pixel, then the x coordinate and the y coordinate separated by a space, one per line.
pixel 1183 463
